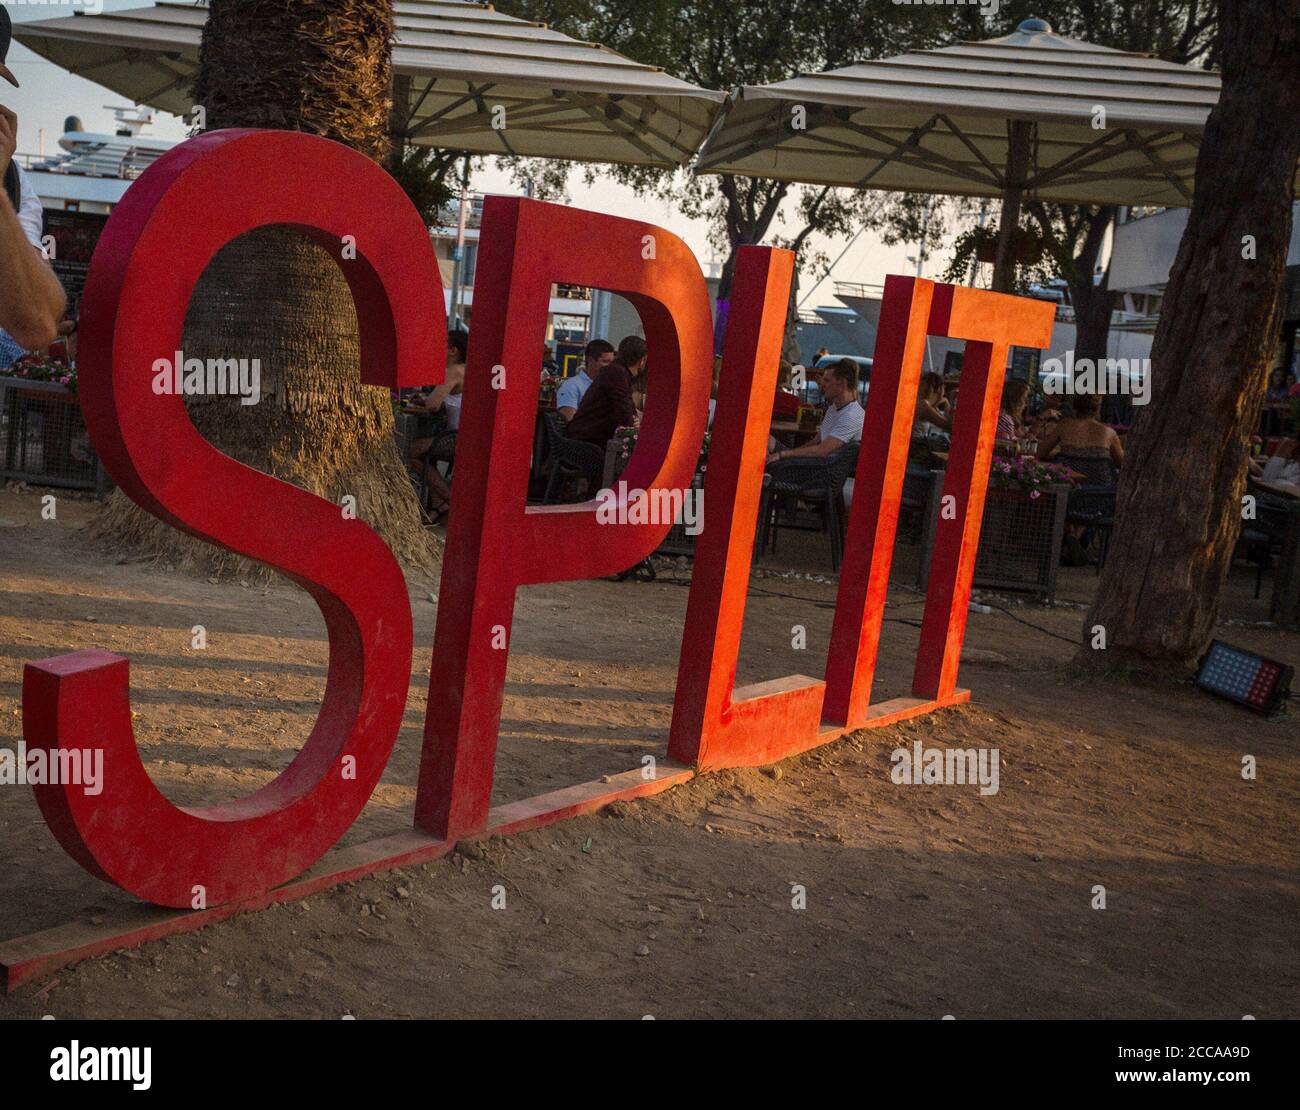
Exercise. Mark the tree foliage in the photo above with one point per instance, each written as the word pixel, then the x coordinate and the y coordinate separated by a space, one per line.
pixel 723 46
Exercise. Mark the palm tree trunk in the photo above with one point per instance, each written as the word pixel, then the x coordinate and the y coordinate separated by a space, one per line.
pixel 1179 504
pixel 322 67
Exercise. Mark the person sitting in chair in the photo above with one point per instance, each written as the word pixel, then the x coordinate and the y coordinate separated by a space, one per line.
pixel 1283 466
pixel 572 390
pixel 1015 396
pixel 444 398
pixel 1083 437
pixel 608 405
pixel 842 423
pixel 933 413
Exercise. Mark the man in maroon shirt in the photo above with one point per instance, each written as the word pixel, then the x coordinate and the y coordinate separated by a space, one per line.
pixel 608 405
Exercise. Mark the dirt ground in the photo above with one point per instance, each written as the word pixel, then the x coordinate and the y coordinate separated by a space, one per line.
pixel 921 901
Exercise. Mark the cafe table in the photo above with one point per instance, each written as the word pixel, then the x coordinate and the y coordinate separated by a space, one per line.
pixel 792 428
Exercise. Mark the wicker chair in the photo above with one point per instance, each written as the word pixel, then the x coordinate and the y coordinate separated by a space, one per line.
pixel 442 448
pixel 1092 504
pixel 1264 536
pixel 552 430
pixel 570 459
pixel 1096 471
pixel 815 482
pixel 918 481
pixel 1093 507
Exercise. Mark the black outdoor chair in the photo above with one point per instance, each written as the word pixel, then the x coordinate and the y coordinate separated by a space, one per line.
pixel 552 433
pixel 443 449
pixel 917 484
pixel 1263 537
pixel 1093 507
pixel 570 460
pixel 1092 504
pixel 818 483
pixel 1096 471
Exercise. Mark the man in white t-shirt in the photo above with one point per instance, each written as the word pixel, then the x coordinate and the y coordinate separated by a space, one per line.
pixel 573 389
pixel 31 299
pixel 842 423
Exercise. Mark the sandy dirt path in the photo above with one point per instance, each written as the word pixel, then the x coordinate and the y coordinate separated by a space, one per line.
pixel 920 900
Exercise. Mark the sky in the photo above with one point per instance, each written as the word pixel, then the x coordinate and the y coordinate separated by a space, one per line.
pixel 49 95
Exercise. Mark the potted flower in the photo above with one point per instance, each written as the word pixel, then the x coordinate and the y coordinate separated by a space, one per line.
pixel 625 444
pixel 1023 525
pixel 42 368
pixel 1029 476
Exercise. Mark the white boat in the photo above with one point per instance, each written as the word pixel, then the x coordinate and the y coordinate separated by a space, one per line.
pixel 95 170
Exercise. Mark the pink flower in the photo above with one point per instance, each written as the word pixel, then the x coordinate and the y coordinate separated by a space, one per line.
pixel 1035 495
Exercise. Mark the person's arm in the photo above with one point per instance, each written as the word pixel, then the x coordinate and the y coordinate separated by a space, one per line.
pixel 817 449
pixel 932 415
pixel 31 298
pixel 434 398
pixel 1116 449
pixel 1048 443
pixel 566 401
pixel 620 395
pixel 441 392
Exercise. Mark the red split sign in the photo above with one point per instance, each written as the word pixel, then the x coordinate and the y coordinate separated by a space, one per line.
pixel 214 188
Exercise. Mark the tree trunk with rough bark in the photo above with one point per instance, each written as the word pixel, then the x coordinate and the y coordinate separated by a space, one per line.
pixel 322 67
pixel 1092 299
pixel 1092 308
pixel 1179 504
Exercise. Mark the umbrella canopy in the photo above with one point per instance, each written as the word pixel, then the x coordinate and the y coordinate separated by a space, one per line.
pixel 456 66
pixel 1059 119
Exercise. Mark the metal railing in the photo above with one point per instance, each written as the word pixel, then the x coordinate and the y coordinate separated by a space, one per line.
pixel 43 437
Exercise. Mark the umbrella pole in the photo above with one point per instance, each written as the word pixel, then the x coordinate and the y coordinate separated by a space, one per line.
pixel 1004 265
pixel 458 271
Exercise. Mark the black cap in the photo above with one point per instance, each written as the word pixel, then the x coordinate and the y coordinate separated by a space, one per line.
pixel 6 35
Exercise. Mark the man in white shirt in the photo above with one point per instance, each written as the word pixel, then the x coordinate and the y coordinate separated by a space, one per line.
pixel 31 299
pixel 1282 467
pixel 572 390
pixel 842 423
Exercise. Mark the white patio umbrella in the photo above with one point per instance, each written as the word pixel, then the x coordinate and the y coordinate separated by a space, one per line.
pixel 465 78
pixel 456 67
pixel 1031 114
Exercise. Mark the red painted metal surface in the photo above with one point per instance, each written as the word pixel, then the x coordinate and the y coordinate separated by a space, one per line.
pixel 495 542
pixel 150 257
pixel 877 495
pixel 24 959
pixel 187 206
pixel 991 324
pixel 713 724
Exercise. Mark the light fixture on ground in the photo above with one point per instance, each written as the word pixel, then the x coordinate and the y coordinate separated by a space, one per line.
pixel 1244 677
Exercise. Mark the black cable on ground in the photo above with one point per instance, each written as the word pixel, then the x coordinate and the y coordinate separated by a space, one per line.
pixel 820 604
pixel 1031 624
